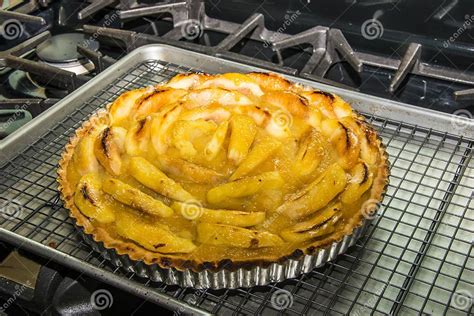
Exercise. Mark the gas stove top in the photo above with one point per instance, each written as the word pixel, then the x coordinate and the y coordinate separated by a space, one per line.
pixel 415 53
pixel 52 47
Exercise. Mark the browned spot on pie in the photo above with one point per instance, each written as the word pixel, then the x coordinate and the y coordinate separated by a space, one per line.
pixel 254 243
pixel 326 94
pixel 85 193
pixel 167 113
pixel 105 142
pixel 141 124
pixel 366 174
pixel 370 135
pixel 346 131
pixel 155 92
pixel 303 100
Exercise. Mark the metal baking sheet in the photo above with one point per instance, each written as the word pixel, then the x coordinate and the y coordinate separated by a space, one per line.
pixel 416 256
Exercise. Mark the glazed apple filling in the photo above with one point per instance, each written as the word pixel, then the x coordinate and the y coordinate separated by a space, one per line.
pixel 228 165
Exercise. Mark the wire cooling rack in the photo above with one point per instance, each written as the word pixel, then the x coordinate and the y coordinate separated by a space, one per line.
pixel 415 257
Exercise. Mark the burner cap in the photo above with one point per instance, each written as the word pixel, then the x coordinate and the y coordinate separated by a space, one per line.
pixel 22 85
pixel 63 48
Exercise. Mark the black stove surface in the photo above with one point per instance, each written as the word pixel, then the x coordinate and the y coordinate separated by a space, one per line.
pixel 65 292
pixel 421 91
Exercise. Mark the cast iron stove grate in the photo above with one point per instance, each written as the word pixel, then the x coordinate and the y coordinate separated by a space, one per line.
pixel 415 257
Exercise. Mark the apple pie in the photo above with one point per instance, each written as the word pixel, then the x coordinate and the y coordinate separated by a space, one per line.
pixel 222 171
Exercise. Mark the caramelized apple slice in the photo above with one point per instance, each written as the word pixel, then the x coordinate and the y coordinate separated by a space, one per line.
pixel 245 187
pixel 184 133
pixel 108 148
pixel 243 131
pixel 157 238
pixel 320 230
pixel 213 113
pixel 235 218
pixel 310 153
pixel 153 178
pixel 280 123
pixel 234 81
pixel 138 137
pixel 369 150
pixel 121 109
pixel 323 101
pixel 317 194
pixel 341 108
pixel 288 101
pixel 206 96
pixel 321 217
pixel 270 81
pixel 227 217
pixel 160 126
pixel 344 141
pixel 259 153
pixel 232 236
pixel 217 140
pixel 314 118
pixel 361 181
pixel 135 198
pixel 85 160
pixel 186 81
pixel 91 201
pixel 260 116
pixel 231 204
pixel 155 101
pixel 189 171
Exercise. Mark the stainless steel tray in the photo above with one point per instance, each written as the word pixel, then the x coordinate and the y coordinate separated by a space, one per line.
pixel 415 257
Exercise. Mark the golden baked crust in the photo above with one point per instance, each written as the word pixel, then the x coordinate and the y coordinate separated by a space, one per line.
pixel 154 176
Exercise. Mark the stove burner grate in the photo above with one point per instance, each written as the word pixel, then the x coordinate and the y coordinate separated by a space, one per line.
pixel 329 46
